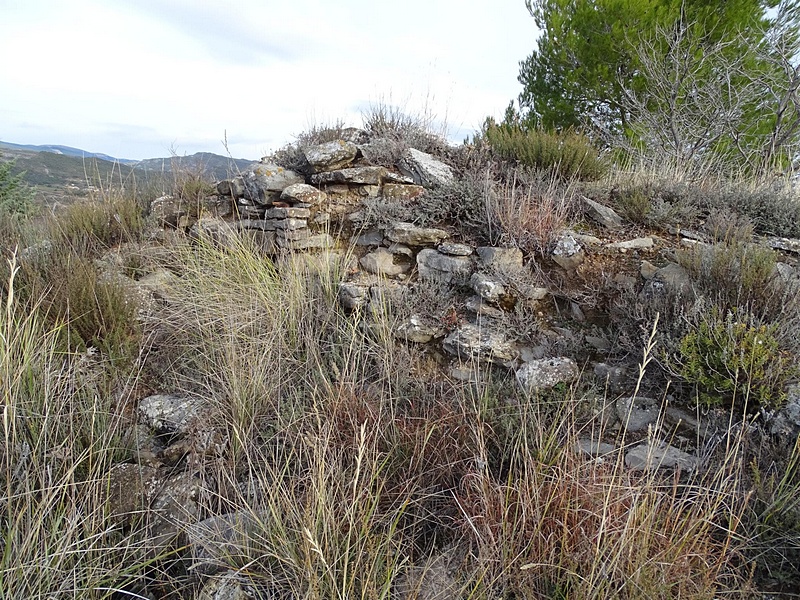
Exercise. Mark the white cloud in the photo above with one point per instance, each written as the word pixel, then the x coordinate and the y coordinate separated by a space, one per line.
pixel 134 79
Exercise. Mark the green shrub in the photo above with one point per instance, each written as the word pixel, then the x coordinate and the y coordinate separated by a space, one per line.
pixel 735 359
pixel 16 198
pixel 99 223
pixel 89 310
pixel 635 206
pixel 192 186
pixel 568 154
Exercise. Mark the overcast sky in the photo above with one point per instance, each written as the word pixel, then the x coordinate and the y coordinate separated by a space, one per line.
pixel 140 78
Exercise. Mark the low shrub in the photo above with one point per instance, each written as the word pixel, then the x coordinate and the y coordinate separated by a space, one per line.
pixel 569 154
pixel 192 186
pixel 729 228
pixel 88 309
pixel 736 274
pixel 385 121
pixel 463 201
pixel 635 206
pixel 733 359
pixel 531 210
pixel 772 206
pixel 99 223
pixel 16 197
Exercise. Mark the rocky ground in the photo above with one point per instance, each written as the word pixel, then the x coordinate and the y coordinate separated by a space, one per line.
pixel 546 319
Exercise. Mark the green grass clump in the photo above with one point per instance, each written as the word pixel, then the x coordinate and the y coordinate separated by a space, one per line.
pixel 568 154
pixel 99 223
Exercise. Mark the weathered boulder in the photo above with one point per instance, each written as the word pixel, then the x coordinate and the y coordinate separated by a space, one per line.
pixel 381 262
pixel 791 245
pixel 435 266
pixel 454 249
pixel 166 413
pixel 604 215
pixel 568 253
pixel 425 169
pixel 232 585
pixel 224 539
pixel 353 295
pixel 615 377
pixel 480 307
pixel 408 233
pixel 647 270
pixel 487 287
pixel 649 456
pixel 500 260
pixel 636 413
pixel 215 231
pixel 302 193
pixel 330 156
pixel 785 422
pixel 400 192
pixel 316 241
pixel 159 283
pixel 176 505
pixel 635 244
pixel 185 421
pixel 670 278
pixel 352 175
pixel 474 341
pixel 265 182
pixel 415 329
pixel 234 188
pixel 786 272
pixel 538 375
pixel 402 249
pixel 168 210
pixel 285 224
pixel 131 489
pixel 287 213
pixel 373 237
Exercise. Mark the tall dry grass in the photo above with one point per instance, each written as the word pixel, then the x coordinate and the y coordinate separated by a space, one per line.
pixel 353 464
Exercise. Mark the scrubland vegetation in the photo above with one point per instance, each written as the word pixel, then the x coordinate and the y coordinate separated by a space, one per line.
pixel 365 470
pixel 354 466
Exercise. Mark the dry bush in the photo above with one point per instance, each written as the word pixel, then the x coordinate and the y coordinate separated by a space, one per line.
pixel 465 202
pixel 291 155
pixel 532 210
pixel 656 195
pixel 386 122
pixel 737 275
pixel 88 310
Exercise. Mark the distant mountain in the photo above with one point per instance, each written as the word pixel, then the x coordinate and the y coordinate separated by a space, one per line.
pixel 213 165
pixel 61 171
pixel 65 150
